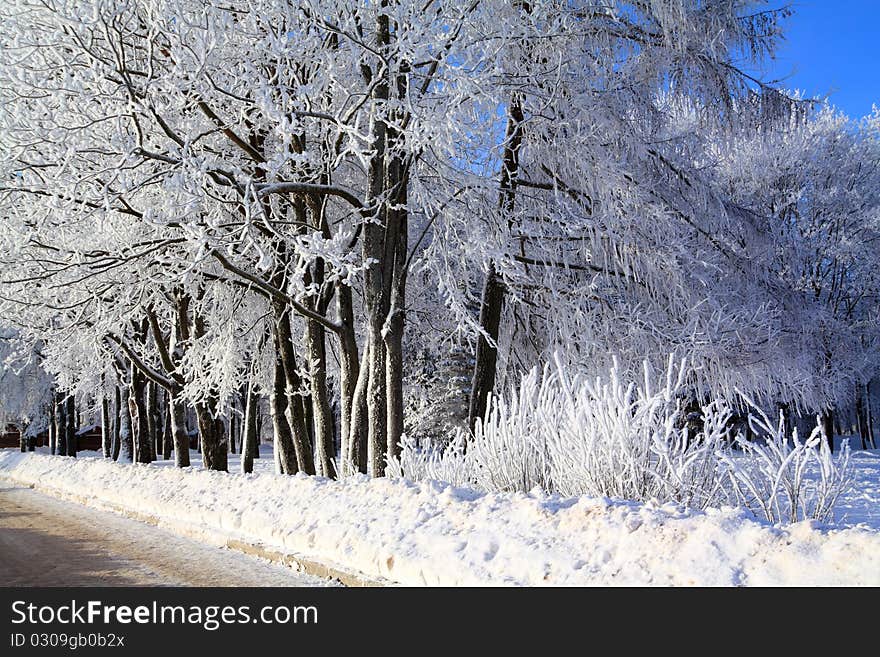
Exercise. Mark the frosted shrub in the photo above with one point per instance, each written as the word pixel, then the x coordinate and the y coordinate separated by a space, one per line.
pixel 572 435
pixel 448 464
pixel 623 440
pixel 786 480
pixel 511 450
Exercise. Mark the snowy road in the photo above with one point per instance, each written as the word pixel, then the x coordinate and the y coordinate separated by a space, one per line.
pixel 48 542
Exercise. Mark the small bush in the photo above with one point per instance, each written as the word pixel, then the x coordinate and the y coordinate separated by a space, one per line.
pixel 567 434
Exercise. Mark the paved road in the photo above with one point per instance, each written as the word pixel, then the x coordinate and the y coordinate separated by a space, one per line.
pixel 49 542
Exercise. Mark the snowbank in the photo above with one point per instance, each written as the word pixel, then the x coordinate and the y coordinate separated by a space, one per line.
pixel 435 534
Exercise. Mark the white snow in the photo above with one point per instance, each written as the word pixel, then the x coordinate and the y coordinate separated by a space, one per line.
pixel 435 534
pixel 861 504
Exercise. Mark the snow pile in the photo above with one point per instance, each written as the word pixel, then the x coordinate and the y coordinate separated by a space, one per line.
pixel 436 534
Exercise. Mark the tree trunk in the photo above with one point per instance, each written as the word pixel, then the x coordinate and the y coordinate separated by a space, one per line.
pixel 322 416
pixel 486 357
pixel 211 437
pixel 348 376
pixel 870 410
pixel 72 427
pixel 177 411
pixel 152 429
pixel 377 403
pixel 394 383
pixel 861 418
pixel 827 421
pixel 258 413
pixel 117 422
pixel 60 426
pixel 492 302
pixel 785 412
pixel 212 432
pixel 373 249
pixel 285 454
pixel 106 429
pixel 293 384
pixel 232 427
pixel 249 430
pixel 167 435
pixel 358 439
pixel 396 252
pixel 137 404
pixel 53 423
pixel 126 440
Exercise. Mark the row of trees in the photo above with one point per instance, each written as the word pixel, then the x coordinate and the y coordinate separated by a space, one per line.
pixel 369 215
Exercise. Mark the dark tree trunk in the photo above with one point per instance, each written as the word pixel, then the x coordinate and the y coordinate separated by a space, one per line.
pixel 348 377
pixel 212 432
pixel 117 422
pixel 395 291
pixel 53 423
pixel 322 416
pixel 492 302
pixel 373 245
pixel 785 411
pixel 167 435
pixel 177 411
pixel 293 385
pixel 31 441
pixel 285 454
pixel 486 358
pixel 861 416
pixel 359 438
pixel 249 445
pixel 211 437
pixel 232 427
pixel 152 427
pixel 258 414
pixel 106 429
pixel 72 427
pixel 60 426
pixel 870 413
pixel 308 415
pixel 137 404
pixel 394 382
pixel 827 421
pixel 377 403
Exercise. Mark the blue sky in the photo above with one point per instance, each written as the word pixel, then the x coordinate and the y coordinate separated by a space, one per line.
pixel 832 47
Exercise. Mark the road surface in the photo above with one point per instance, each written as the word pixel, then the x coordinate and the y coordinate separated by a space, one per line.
pixel 45 541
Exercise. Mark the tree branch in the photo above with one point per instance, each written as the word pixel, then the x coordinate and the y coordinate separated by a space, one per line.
pixel 274 292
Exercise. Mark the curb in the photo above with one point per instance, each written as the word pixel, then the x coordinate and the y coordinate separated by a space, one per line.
pixel 300 563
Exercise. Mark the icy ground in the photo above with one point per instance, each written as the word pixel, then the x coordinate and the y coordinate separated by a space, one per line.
pixel 432 533
pixel 50 542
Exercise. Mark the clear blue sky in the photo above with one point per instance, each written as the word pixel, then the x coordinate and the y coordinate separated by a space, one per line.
pixel 832 48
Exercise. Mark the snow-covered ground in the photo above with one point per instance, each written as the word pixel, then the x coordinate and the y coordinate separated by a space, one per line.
pixel 861 504
pixel 859 507
pixel 432 533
